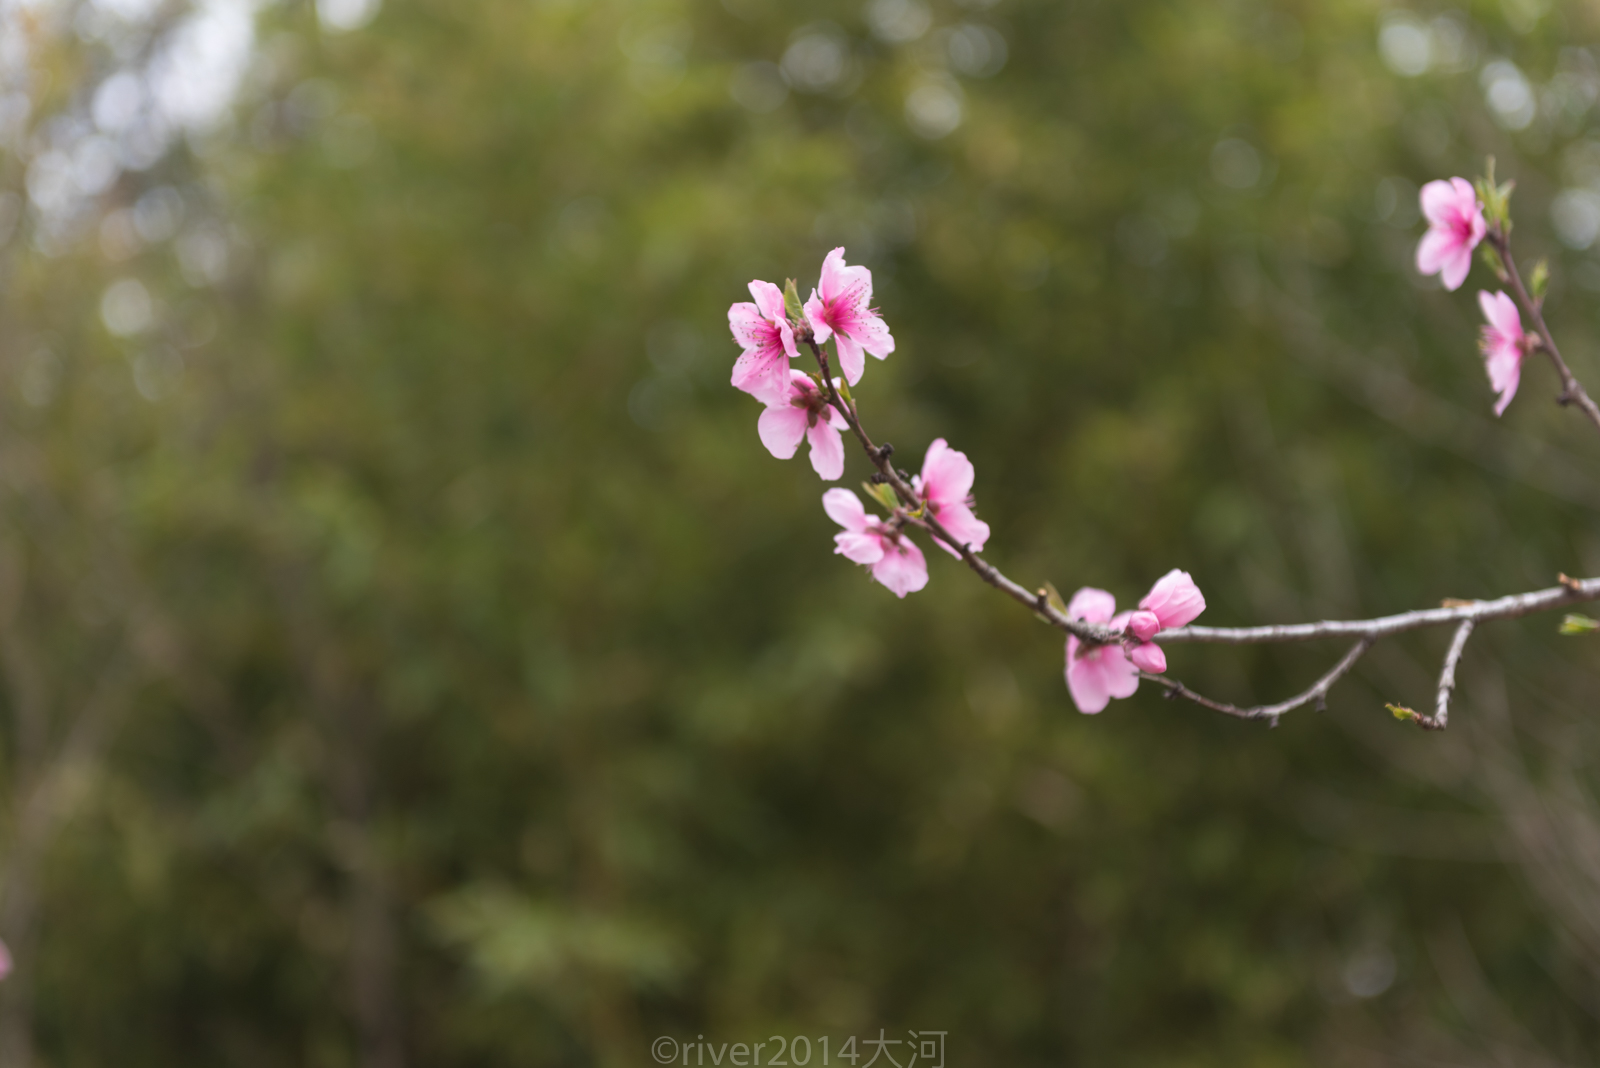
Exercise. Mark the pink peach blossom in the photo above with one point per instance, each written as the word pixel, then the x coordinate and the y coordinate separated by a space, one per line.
pixel 1455 226
pixel 946 485
pixel 895 560
pixel 1096 675
pixel 806 413
pixel 1503 342
pixel 1174 600
pixel 762 329
pixel 841 311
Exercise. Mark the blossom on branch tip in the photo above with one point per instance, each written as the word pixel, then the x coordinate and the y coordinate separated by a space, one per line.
pixel 840 308
pixel 1455 226
pixel 946 485
pixel 762 329
pixel 1503 345
pixel 895 560
pixel 805 413
pixel 1174 601
pixel 1096 674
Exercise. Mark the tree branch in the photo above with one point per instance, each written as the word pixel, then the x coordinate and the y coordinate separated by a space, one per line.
pixel 1572 391
pixel 1447 680
pixel 1466 614
pixel 1318 691
pixel 1571 591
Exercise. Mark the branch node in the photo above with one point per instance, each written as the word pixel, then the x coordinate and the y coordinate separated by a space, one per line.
pixel 1571 584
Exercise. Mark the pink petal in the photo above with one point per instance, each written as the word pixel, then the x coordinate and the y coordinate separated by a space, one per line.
pixel 844 508
pixel 1442 202
pixel 834 279
pixel 1434 249
pixel 872 333
pixel 859 548
pixel 1143 625
pixel 1148 657
pixel 1174 599
pixel 1501 312
pixel 769 299
pixel 827 450
pixel 781 429
pixel 851 362
pixel 1456 267
pixel 1091 605
pixel 816 316
pixel 762 373
pixel 947 475
pixel 1099 675
pixel 903 569
pixel 6 963
pixel 786 333
pixel 1505 373
pixel 965 527
pixel 749 328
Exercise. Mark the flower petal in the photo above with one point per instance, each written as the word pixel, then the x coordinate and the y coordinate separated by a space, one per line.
pixel 781 428
pixel 815 315
pixel 1505 373
pixel 947 475
pixel 1501 312
pixel 903 569
pixel 851 362
pixel 1092 605
pixel 834 279
pixel 1443 201
pixel 1434 249
pixel 827 450
pixel 769 299
pixel 965 527
pixel 1457 265
pixel 1098 675
pixel 860 548
pixel 844 508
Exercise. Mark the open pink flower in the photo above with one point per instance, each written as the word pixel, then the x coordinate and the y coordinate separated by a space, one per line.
pixel 946 485
pixel 1455 226
pixel 806 413
pixel 1096 675
pixel 839 308
pixel 762 330
pixel 1503 345
pixel 895 560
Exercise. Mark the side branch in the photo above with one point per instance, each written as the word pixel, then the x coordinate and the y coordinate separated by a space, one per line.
pixel 1318 691
pixel 1447 680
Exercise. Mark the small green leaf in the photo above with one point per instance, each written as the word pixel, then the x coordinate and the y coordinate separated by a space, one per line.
pixel 1539 281
pixel 1492 259
pixel 1402 713
pixel 883 493
pixel 1054 597
pixel 791 300
pixel 1576 624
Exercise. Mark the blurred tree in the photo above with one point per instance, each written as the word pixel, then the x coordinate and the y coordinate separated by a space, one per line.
pixel 463 683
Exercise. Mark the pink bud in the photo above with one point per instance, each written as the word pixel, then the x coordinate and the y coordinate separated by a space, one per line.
pixel 1143 625
pixel 1174 599
pixel 1149 657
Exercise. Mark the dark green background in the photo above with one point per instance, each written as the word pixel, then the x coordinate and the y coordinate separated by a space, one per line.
pixel 473 688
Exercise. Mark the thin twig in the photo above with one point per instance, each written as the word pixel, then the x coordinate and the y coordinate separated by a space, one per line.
pixel 1447 680
pixel 1318 691
pixel 1572 391
pixel 1571 591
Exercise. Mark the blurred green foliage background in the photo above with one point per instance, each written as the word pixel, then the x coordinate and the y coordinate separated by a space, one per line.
pixel 410 655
